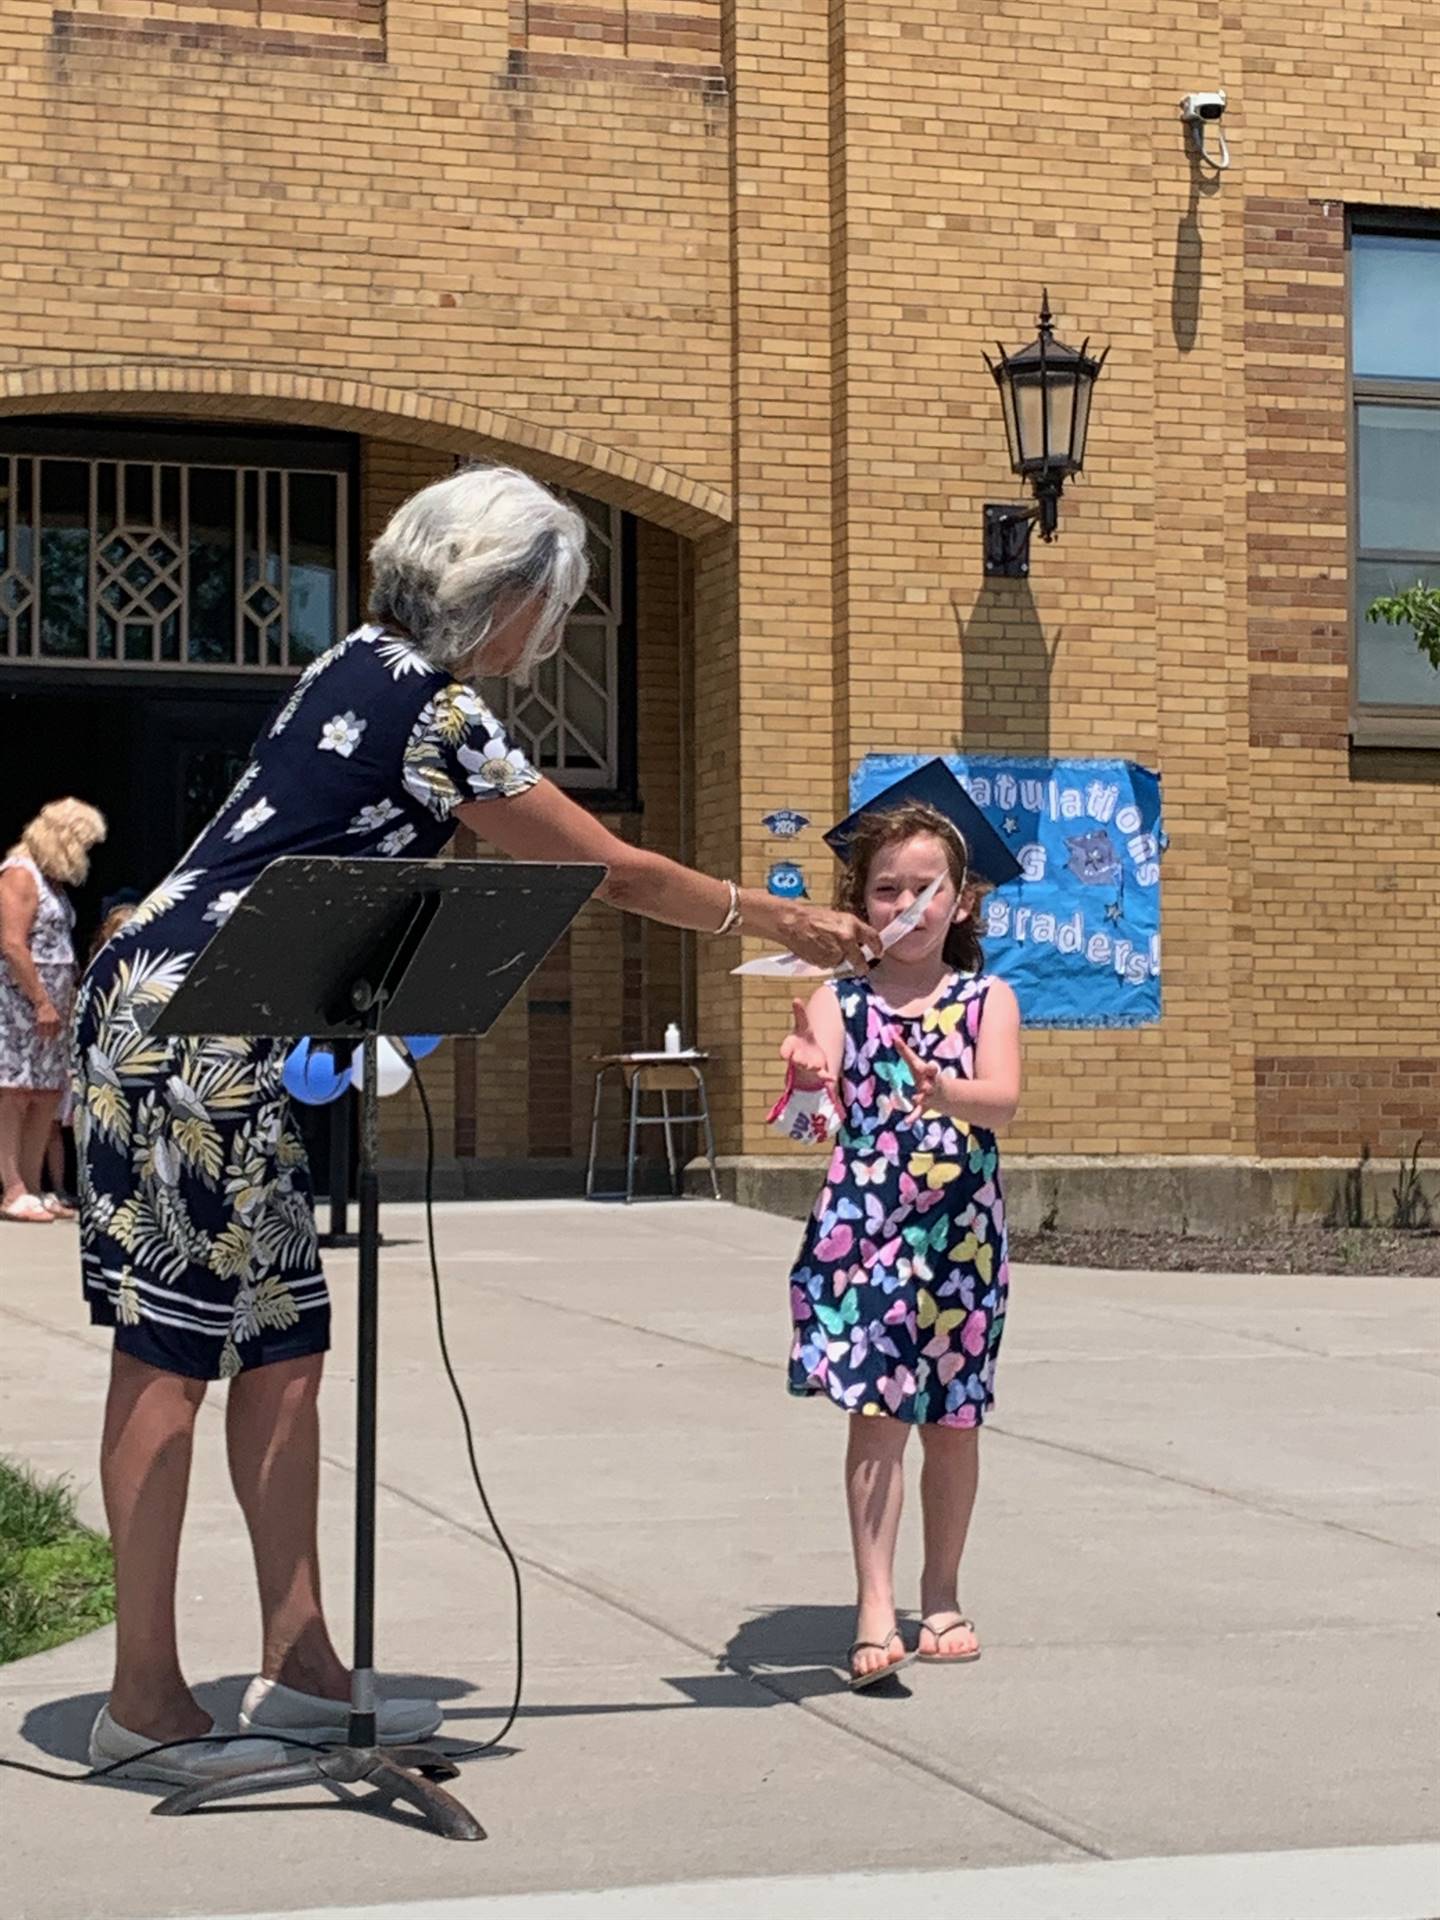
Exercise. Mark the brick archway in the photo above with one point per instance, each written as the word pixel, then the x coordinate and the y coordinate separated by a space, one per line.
pixel 656 493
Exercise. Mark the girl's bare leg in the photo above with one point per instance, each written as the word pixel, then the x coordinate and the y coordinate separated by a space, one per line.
pixel 145 1474
pixel 948 1482
pixel 272 1429
pixel 875 1494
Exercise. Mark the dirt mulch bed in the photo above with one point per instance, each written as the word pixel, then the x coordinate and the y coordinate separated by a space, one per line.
pixel 1359 1250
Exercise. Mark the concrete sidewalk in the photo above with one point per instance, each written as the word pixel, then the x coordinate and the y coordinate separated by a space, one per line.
pixel 1203 1568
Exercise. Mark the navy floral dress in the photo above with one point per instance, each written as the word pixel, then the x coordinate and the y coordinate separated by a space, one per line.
pixel 197 1229
pixel 898 1297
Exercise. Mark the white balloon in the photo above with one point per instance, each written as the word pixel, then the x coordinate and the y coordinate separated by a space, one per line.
pixel 392 1070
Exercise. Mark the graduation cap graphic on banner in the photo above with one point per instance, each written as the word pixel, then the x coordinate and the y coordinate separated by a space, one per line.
pixel 935 786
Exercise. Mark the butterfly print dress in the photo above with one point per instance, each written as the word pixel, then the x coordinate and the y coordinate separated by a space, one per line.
pixel 898 1296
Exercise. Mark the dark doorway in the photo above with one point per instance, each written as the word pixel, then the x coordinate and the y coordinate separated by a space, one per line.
pixel 156 760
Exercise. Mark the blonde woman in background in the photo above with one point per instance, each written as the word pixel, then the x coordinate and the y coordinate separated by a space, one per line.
pixel 114 912
pixel 37 991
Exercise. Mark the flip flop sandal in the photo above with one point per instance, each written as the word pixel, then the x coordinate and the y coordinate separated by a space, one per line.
pixel 948 1659
pixel 27 1211
pixel 859 1681
pixel 57 1208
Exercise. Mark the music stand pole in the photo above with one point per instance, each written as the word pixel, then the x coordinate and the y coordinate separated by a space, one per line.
pixel 362 1682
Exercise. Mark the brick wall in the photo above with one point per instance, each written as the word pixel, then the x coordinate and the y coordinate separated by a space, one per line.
pixel 743 294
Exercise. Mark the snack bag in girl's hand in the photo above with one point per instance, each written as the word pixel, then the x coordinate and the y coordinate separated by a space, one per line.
pixel 807 1114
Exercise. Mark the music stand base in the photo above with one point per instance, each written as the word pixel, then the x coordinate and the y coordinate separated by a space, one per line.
pixel 409 1774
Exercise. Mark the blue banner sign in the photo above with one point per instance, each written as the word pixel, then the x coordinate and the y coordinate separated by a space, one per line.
pixel 1078 937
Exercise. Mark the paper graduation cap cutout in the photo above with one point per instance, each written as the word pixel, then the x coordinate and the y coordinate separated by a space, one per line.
pixel 934 784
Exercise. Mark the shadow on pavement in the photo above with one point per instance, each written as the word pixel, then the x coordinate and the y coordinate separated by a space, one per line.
pixel 800 1653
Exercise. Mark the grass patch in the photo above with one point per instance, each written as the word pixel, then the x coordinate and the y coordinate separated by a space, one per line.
pixel 56 1577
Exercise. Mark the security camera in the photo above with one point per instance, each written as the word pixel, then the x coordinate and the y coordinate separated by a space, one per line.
pixel 1202 106
pixel 1201 111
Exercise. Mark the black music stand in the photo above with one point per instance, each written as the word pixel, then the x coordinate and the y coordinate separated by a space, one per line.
pixel 348 949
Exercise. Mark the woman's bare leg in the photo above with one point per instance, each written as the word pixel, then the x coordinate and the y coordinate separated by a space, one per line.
pixel 14 1104
pixel 875 1494
pixel 35 1138
pixel 948 1483
pixel 55 1158
pixel 272 1428
pixel 145 1474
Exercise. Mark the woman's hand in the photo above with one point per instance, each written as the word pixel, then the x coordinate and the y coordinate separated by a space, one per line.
pixel 827 938
pixel 47 1018
pixel 804 1055
pixel 924 1073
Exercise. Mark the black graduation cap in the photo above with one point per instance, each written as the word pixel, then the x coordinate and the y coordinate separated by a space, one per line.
pixel 937 787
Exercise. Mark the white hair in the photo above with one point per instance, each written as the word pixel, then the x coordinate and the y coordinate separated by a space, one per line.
pixel 456 550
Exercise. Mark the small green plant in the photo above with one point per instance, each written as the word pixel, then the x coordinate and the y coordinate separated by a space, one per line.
pixel 56 1577
pixel 1417 607
pixel 1347 1208
pixel 1412 1204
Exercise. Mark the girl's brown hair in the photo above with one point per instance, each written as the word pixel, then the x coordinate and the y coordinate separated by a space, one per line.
pixel 109 927
pixel 876 831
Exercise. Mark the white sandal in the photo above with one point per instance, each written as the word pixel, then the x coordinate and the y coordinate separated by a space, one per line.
pixel 58 1207
pixel 26 1210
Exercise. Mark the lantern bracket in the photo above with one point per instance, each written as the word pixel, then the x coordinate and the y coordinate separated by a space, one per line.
pixel 1007 533
pixel 1007 541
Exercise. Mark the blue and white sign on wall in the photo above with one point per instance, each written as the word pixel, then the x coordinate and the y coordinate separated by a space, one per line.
pixel 1078 936
pixel 785 822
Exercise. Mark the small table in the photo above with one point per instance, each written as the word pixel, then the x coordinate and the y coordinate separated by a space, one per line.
pixel 665 1074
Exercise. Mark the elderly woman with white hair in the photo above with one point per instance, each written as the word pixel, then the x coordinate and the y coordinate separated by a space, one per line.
pixel 198 1238
pixel 37 987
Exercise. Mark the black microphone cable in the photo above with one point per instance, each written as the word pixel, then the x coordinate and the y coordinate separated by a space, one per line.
pixel 485 1746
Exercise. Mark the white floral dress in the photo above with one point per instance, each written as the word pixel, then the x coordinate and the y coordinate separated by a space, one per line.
pixel 197 1227
pixel 26 1061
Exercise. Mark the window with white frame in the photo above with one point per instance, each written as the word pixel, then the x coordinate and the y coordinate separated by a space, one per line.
pixel 1395 369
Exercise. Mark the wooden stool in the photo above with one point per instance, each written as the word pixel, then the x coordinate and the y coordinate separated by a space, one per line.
pixel 665 1074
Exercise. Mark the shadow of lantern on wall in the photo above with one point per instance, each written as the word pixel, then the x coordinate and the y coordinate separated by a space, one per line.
pixel 1045 393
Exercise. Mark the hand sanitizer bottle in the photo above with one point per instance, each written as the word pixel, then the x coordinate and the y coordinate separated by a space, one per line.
pixel 672 1038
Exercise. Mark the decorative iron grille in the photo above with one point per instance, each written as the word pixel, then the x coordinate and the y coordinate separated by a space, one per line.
pixel 163 563
pixel 567 720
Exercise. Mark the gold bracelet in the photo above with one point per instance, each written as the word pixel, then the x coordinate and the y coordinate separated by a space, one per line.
pixel 732 914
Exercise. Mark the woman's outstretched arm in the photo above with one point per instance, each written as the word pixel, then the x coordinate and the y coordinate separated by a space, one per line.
pixel 545 824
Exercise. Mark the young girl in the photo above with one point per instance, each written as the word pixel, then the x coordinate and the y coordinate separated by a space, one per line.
pixel 899 1293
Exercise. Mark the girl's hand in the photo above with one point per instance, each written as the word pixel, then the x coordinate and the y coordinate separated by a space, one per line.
pixel 827 938
pixel 47 1019
pixel 924 1073
pixel 804 1055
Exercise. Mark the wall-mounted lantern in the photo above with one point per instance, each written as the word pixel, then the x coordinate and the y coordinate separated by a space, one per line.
pixel 1045 393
